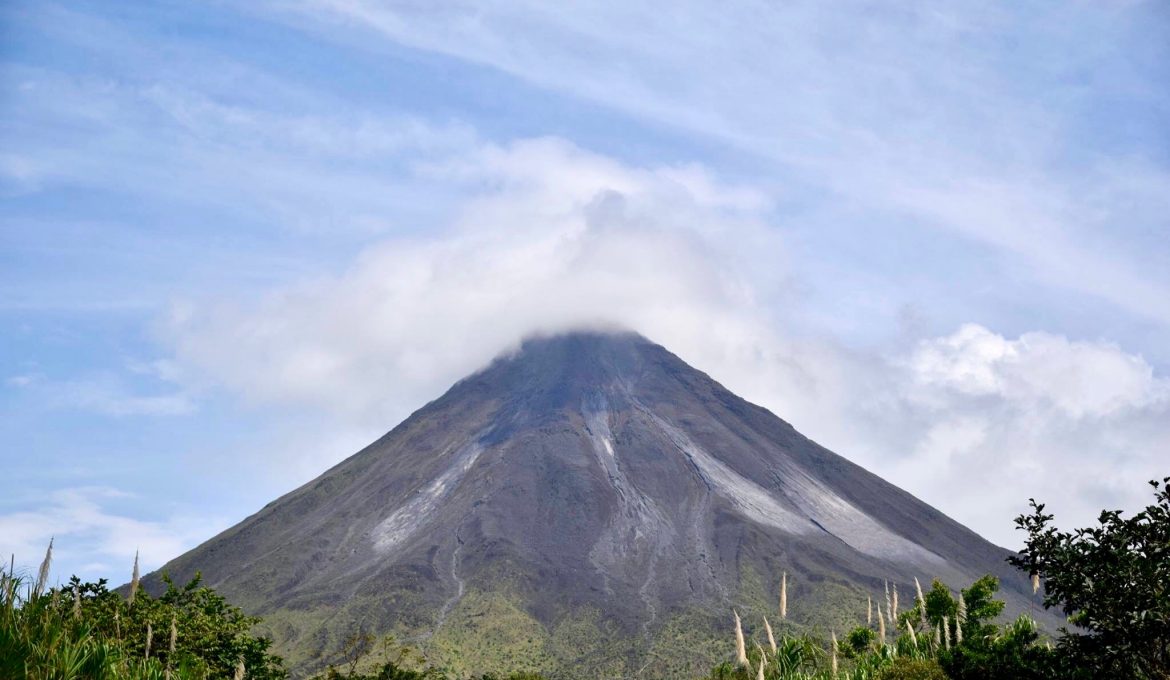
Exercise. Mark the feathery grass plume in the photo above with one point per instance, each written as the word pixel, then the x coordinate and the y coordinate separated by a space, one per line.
pixel 760 669
pixel 771 638
pixel 946 631
pixel 43 574
pixel 1035 582
pixel 834 651
pixel 149 637
pixel 937 636
pixel 958 633
pixel 962 609
pixel 740 651
pixel 895 612
pixel 784 596
pixel 133 580
pixel 913 637
pixel 921 601
pixel 889 604
pixel 868 610
pixel 240 671
pixel 76 602
pixel 881 627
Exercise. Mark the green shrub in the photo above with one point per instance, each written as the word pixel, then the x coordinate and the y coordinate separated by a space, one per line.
pixel 904 668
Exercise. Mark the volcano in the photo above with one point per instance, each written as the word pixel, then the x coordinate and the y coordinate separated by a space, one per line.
pixel 588 505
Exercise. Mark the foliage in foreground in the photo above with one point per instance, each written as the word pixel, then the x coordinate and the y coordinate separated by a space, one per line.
pixel 1113 582
pixel 942 636
pixel 85 630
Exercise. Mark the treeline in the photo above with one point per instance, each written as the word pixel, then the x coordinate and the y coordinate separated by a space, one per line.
pixel 1112 581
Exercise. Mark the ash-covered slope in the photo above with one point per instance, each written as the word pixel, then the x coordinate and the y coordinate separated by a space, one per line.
pixel 589 505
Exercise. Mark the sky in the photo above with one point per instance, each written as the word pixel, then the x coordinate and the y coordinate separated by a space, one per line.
pixel 239 241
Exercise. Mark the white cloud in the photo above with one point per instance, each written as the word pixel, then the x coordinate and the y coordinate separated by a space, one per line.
pixel 1039 370
pixel 92 539
pixel 919 115
pixel 555 237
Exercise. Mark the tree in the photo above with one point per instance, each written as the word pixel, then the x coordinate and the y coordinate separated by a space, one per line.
pixel 1113 583
pixel 981 607
pixel 939 603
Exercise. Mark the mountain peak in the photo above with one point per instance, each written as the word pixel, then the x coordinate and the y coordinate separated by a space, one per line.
pixel 589 484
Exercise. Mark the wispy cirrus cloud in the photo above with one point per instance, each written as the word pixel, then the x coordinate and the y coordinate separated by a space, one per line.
pixel 975 119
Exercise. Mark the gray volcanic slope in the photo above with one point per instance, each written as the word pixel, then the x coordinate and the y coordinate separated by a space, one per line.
pixel 590 506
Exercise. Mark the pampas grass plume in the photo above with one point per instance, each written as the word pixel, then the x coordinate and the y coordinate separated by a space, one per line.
pixel 240 671
pixel 133 580
pixel 889 604
pixel 946 630
pixel 43 573
pixel 894 616
pixel 913 637
pixel 149 637
pixel 921 600
pixel 834 660
pixel 962 608
pixel 784 596
pixel 1035 582
pixel 881 627
pixel 740 650
pixel 771 638
pixel 868 610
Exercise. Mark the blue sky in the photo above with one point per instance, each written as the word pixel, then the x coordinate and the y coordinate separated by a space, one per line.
pixel 238 243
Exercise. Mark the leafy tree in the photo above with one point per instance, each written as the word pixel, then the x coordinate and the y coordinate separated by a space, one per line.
pixel 939 603
pixel 981 607
pixel 1113 582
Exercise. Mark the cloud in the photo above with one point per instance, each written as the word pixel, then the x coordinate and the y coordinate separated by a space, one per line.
pixel 110 395
pixel 255 160
pixel 554 237
pixel 982 121
pixel 93 539
pixel 1078 380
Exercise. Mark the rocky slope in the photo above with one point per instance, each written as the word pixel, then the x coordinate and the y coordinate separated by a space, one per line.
pixel 588 505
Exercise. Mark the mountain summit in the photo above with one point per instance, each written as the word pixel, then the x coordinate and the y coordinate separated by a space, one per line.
pixel 588 505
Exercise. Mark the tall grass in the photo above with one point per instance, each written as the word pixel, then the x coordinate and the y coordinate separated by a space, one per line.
pixel 918 644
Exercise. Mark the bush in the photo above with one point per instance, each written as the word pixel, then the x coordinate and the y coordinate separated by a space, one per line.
pixel 904 668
